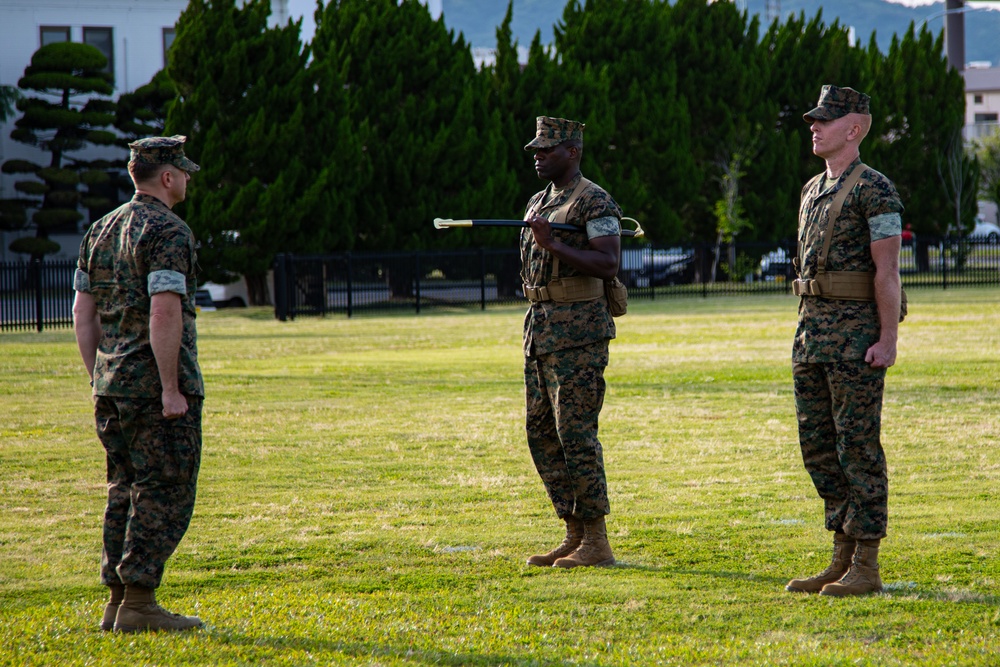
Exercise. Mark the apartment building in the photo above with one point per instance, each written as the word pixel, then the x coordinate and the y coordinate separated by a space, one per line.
pixel 982 100
pixel 134 35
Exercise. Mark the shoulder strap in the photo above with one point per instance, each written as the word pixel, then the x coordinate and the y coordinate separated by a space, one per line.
pixel 563 212
pixel 835 208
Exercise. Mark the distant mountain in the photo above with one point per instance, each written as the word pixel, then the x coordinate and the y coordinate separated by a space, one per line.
pixel 478 20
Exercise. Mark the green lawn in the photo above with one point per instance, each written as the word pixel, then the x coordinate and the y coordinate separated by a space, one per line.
pixel 366 497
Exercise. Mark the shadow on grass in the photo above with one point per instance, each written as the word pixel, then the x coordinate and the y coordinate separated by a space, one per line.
pixel 667 571
pixel 737 576
pixel 908 590
pixel 893 589
pixel 366 652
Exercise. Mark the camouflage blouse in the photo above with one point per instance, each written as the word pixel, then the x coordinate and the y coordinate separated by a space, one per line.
pixel 834 329
pixel 548 326
pixel 140 249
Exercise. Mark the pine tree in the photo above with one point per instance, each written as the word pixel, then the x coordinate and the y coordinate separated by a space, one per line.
pixel 987 151
pixel 143 112
pixel 68 114
pixel 722 76
pixel 508 97
pixel 803 56
pixel 918 106
pixel 249 104
pixel 432 145
pixel 618 72
pixel 9 96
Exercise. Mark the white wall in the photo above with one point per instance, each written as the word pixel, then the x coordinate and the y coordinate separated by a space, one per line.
pixel 137 24
pixel 137 32
pixel 990 103
pixel 137 27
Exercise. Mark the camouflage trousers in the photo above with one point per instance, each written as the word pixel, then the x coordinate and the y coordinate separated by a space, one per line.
pixel 564 393
pixel 153 467
pixel 839 410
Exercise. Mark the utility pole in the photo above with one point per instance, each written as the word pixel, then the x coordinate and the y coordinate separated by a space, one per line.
pixel 954 33
pixel 773 10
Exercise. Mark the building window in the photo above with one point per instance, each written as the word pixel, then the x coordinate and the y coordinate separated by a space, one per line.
pixel 986 117
pixel 977 99
pixel 103 40
pixel 168 41
pixel 51 34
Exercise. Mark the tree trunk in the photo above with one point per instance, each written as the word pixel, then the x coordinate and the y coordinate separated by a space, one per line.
pixel 257 290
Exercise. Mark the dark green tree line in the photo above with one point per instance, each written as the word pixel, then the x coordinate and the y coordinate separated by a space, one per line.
pixel 357 140
pixel 987 152
pixel 250 106
pixel 433 144
pixel 803 55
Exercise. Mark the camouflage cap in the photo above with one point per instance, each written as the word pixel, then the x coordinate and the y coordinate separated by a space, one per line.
pixel 162 150
pixel 554 131
pixel 836 102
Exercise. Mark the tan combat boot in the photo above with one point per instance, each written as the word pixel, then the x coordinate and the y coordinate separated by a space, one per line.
pixel 843 550
pixel 111 609
pixel 863 576
pixel 139 612
pixel 594 550
pixel 574 534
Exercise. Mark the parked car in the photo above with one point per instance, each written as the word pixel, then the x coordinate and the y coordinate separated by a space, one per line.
pixel 673 266
pixel 231 295
pixel 776 263
pixel 203 300
pixel 645 267
pixel 985 231
pixel 632 269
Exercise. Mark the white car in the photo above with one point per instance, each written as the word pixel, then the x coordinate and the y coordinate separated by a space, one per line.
pixel 985 231
pixel 232 295
pixel 776 263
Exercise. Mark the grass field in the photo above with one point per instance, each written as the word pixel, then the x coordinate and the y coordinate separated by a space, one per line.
pixel 366 497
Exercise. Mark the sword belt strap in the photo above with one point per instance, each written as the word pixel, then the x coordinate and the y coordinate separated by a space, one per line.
pixel 572 289
pixel 566 290
pixel 847 285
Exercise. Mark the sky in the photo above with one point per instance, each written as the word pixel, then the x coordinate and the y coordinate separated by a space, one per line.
pixel 305 9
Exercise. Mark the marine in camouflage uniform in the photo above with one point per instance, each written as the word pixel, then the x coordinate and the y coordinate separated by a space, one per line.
pixel 566 343
pixel 135 322
pixel 843 346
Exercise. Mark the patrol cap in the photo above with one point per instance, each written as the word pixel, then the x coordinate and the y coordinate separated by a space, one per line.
pixel 553 131
pixel 836 102
pixel 162 150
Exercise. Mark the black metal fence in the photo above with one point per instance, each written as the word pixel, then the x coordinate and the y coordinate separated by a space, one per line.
pixel 37 295
pixel 357 283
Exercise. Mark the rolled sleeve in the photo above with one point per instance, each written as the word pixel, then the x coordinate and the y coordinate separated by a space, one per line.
pixel 81 281
pixel 167 281
pixel 885 226
pixel 605 226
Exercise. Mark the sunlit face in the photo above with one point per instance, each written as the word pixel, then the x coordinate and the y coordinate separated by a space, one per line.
pixel 830 137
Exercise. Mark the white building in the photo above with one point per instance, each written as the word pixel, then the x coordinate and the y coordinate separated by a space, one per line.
pixel 982 101
pixel 133 34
